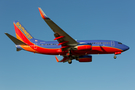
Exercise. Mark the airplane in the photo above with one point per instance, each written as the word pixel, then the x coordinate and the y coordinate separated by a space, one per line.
pixel 65 45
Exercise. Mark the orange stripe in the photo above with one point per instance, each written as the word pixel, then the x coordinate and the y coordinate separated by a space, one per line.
pixel 28 48
pixel 18 37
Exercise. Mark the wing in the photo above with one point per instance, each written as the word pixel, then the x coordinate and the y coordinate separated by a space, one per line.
pixel 61 36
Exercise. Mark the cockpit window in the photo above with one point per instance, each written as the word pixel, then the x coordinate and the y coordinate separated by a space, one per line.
pixel 119 43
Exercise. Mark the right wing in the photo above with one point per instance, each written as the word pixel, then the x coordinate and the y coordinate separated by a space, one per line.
pixel 61 36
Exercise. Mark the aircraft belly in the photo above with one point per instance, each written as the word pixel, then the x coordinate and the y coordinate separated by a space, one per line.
pixel 97 50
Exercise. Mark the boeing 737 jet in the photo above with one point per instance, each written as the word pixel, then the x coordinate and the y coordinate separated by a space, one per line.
pixel 64 44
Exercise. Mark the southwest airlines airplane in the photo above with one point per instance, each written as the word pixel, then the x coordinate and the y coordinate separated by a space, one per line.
pixel 64 45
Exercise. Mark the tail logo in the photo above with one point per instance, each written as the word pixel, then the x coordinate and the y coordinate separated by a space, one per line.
pixel 23 30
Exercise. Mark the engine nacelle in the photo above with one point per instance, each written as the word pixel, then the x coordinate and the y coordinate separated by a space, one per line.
pixel 83 47
pixel 85 58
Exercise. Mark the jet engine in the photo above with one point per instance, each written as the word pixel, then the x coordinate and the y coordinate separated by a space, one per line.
pixel 86 58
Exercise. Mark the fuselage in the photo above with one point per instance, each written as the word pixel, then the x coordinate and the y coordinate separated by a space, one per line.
pixel 97 47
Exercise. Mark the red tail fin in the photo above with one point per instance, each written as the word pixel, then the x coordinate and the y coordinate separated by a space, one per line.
pixel 21 33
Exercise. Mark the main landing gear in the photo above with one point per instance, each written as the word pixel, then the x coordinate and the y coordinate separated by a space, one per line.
pixel 69 61
pixel 70 56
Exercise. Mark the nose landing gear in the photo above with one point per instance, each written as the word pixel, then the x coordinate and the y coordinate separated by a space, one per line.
pixel 116 53
pixel 115 56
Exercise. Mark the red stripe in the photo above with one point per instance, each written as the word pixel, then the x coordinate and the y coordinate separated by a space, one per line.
pixel 21 35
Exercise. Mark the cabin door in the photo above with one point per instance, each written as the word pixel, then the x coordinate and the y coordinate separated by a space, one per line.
pixel 112 43
pixel 35 44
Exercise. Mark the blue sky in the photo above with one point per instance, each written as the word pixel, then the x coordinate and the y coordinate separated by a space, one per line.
pixel 81 19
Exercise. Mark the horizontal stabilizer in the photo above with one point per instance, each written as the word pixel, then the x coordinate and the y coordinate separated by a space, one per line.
pixel 18 49
pixel 15 40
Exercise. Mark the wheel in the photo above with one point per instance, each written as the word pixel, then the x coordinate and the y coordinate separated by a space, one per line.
pixel 115 57
pixel 69 61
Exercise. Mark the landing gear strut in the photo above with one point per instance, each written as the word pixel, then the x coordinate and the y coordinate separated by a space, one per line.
pixel 69 53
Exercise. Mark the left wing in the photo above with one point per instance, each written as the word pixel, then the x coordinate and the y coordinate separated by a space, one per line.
pixel 61 36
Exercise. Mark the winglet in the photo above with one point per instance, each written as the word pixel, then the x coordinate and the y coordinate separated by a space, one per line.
pixel 42 14
pixel 56 59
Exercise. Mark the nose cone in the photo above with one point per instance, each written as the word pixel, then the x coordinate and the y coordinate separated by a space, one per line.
pixel 125 48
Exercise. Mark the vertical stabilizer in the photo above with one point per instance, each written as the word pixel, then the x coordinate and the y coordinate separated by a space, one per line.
pixel 21 33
